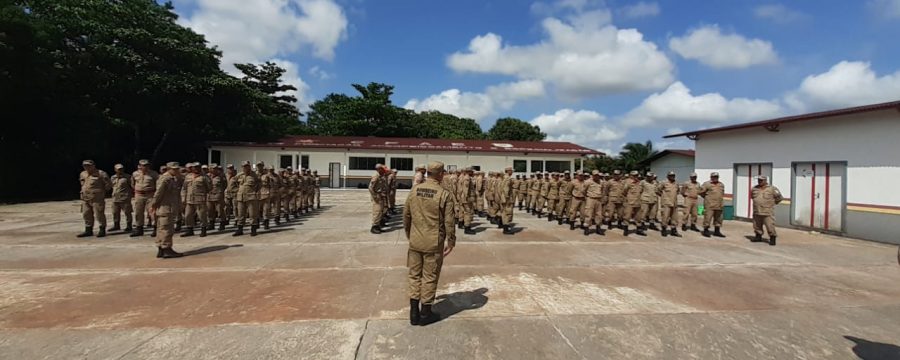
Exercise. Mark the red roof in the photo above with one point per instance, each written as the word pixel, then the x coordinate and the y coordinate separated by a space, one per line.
pixel 383 143
pixel 773 123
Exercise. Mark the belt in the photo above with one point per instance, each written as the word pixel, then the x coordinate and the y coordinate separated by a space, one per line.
pixel 595 198
pixel 144 192
pixel 579 197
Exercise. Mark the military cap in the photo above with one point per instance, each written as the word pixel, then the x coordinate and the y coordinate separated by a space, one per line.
pixel 260 163
pixel 392 170
pixel 762 177
pixel 230 166
pixel 88 162
pixel 633 173
pixel 246 163
pixel 617 172
pixel 650 174
pixel 714 174
pixel 378 166
pixel 173 165
pixel 508 168
pixel 435 167
pixel 315 171
pixel 213 166
pixel 693 174
pixel 289 168
pixel 118 166
pixel 189 165
pixel 270 167
pixel 595 172
pixel 143 162
pixel 204 166
pixel 566 172
pixel 671 173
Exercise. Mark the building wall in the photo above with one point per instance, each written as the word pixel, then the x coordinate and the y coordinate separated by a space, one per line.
pixel 319 159
pixel 682 165
pixel 866 142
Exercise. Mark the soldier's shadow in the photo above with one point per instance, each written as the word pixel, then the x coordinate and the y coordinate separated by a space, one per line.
pixel 870 350
pixel 455 303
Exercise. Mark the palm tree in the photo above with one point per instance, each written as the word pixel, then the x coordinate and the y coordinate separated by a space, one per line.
pixel 633 154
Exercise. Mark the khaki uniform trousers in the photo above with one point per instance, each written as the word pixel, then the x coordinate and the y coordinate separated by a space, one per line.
pixel 424 272
pixel 507 210
pixel 265 207
pixel 551 205
pixel 760 220
pixel 670 216
pixel 648 212
pixel 615 211
pixel 468 212
pixel 216 210
pixel 118 208
pixel 229 206
pixel 630 212
pixel 712 216
pixel 247 209
pixel 576 208
pixel 377 210
pixel 562 207
pixel 141 207
pixel 690 206
pixel 490 208
pixel 479 203
pixel 192 211
pixel 165 229
pixel 497 208
pixel 318 197
pixel 93 210
pixel 534 201
pixel 287 202
pixel 593 211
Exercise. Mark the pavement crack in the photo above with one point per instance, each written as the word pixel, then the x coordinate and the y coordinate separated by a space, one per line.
pixel 564 337
pixel 361 337
pixel 141 344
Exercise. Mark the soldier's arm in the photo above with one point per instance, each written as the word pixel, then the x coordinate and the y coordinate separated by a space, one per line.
pixel 157 196
pixel 778 197
pixel 407 216
pixel 702 191
pixel 449 224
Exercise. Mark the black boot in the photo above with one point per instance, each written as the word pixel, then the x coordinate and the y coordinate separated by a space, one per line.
pixel 375 229
pixel 266 224
pixel 222 226
pixel 559 221
pixel 159 252
pixel 507 230
pixel 641 231
pixel 153 232
pixel 610 226
pixel 694 228
pixel 587 231
pixel 168 253
pixel 468 230
pixel 758 238
pixel 626 231
pixel 211 226
pixel 426 317
pixel 571 225
pixel 539 213
pixel 600 230
pixel 203 231
pixel 128 227
pixel 705 232
pixel 675 232
pixel 188 232
pixel 665 232
pixel 178 226
pixel 718 232
pixel 115 226
pixel 253 229
pixel 138 231
pixel 550 217
pixel 413 311
pixel 685 227
pixel 239 231
pixel 101 232
pixel 278 220
pixel 88 231
pixel 499 223
pixel 772 240
pixel 460 225
pixel 653 227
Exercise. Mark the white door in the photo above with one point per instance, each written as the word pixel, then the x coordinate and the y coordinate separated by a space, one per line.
pixel 744 181
pixel 818 195
pixel 334 175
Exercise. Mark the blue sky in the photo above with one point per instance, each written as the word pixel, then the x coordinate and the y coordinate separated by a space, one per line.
pixel 598 73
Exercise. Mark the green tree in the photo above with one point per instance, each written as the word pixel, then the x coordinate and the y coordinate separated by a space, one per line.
pixel 435 124
pixel 369 114
pixel 633 155
pixel 515 129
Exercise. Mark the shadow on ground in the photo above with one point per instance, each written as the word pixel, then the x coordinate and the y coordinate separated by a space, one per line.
pixel 870 350
pixel 209 249
pixel 455 303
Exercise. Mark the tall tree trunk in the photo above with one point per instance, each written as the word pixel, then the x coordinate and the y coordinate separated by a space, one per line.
pixel 159 147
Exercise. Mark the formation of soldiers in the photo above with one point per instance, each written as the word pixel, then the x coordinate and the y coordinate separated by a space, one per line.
pixel 194 198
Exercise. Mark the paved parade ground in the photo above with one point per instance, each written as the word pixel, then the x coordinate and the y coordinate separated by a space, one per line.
pixel 323 287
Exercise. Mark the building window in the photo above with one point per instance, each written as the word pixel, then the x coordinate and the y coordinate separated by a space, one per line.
pixel 284 161
pixel 215 156
pixel 520 166
pixel 402 164
pixel 537 166
pixel 558 166
pixel 476 167
pixel 364 163
pixel 304 161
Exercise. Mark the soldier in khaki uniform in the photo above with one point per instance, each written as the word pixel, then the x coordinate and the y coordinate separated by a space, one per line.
pixel 143 181
pixel 497 203
pixel 765 197
pixel 165 203
pixel 668 202
pixel 230 191
pixel 528 192
pixel 632 192
pixel 378 189
pixel 507 199
pixel 579 189
pixel 266 188
pixel 489 197
pixel 121 194
pixel 317 189
pixel 552 195
pixel 713 193
pixel 419 177
pixel 479 193
pixel 534 192
pixel 691 192
pixel 392 188
pixel 182 176
pixel 615 206
pixel 467 196
pixel 94 185
pixel 197 188
pixel 429 225
pixel 522 192
pixel 565 198
pixel 593 209
pixel 247 199
pixel 649 202
pixel 215 199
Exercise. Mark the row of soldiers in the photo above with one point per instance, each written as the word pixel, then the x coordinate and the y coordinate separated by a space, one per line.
pixel 207 194
pixel 383 191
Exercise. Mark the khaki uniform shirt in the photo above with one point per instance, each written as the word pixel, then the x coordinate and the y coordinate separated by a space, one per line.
pixel 579 189
pixel 232 187
pixel 668 193
pixel 217 184
pixel 535 188
pixel 248 186
pixel 428 217
pixel 545 188
pixel 553 189
pixel 592 189
pixel 197 188
pixel 121 188
pixel 418 178
pixel 144 184
pixel 764 199
pixel 713 195
pixel 505 189
pixel 690 190
pixel 167 197
pixel 94 186
pixel 565 189
pixel 266 185
pixel 377 185
pixel 648 192
pixel 633 191
pixel 616 191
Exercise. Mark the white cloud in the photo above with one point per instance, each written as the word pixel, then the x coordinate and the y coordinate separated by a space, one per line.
pixel 641 9
pixel 583 55
pixel 292 76
pixel 583 127
pixel 845 84
pixel 887 8
pixel 676 106
pixel 259 30
pixel 316 71
pixel 479 106
pixel 713 48
pixel 779 14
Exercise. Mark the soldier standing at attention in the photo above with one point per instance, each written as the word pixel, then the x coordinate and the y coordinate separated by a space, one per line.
pixel 668 203
pixel 522 192
pixel 377 189
pixel 143 181
pixel 275 196
pixel 479 193
pixel 429 225
pixel 543 192
pixel 691 191
pixel 713 193
pixel 632 190
pixel 317 187
pixel 534 193
pixel 94 185
pixel 765 197
pixel 197 186
pixel 163 206
pixel 311 191
pixel 467 195
pixel 565 198
pixel 552 196
pixel 182 178
pixel 230 192
pixel 266 186
pixel 419 177
pixel 593 209
pixel 649 202
pixel 247 199
pixel 121 194
pixel 576 209
pixel 528 183
pixel 507 197
pixel 215 199
pixel 615 206
pixel 489 197
pixel 392 187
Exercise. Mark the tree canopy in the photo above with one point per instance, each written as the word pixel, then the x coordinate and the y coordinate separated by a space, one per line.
pixel 515 129
pixel 632 157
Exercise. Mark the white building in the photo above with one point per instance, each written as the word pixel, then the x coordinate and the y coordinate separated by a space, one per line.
pixel 350 161
pixel 680 161
pixel 839 169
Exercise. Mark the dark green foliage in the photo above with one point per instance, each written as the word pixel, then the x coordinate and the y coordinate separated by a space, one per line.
pixel 515 129
pixel 631 157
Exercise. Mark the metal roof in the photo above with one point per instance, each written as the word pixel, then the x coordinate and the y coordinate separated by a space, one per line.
pixel 685 152
pixel 772 124
pixel 384 143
